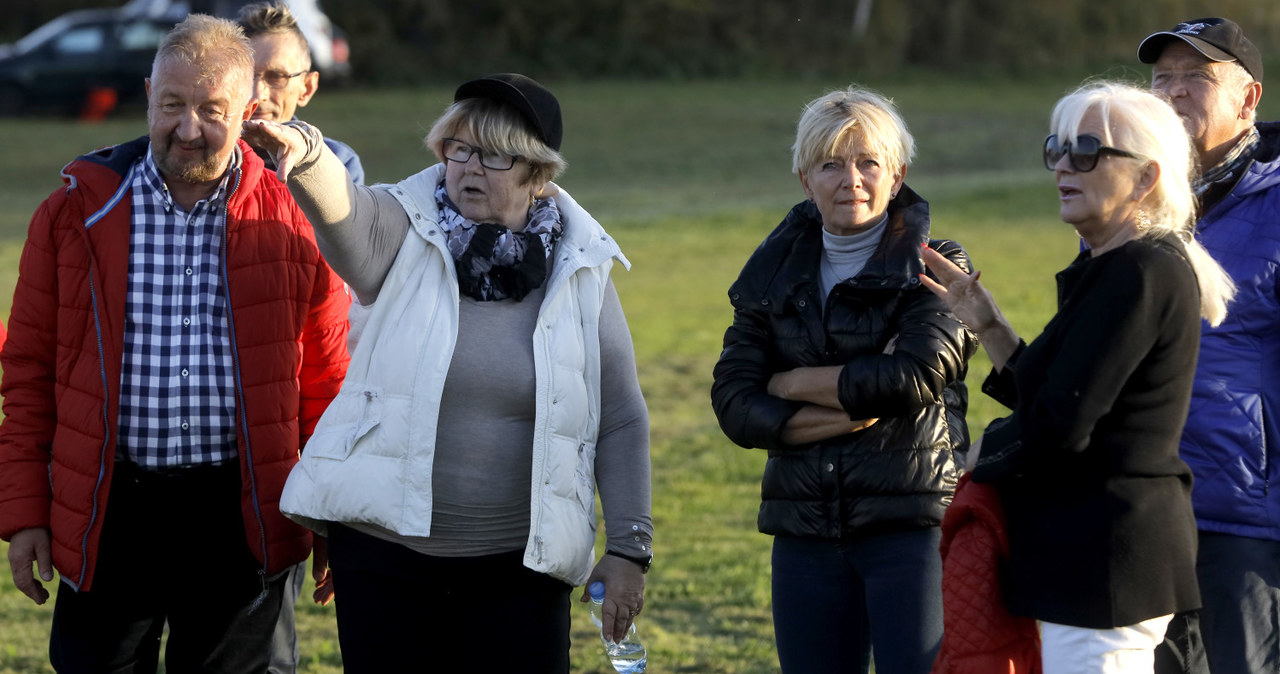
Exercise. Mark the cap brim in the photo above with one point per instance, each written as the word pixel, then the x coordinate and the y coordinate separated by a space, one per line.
pixel 1152 47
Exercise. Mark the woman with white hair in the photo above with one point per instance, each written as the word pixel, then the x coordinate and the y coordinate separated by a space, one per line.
pixel 1102 538
pixel 850 374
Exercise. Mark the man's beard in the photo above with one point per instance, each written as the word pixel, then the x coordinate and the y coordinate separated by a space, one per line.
pixel 211 167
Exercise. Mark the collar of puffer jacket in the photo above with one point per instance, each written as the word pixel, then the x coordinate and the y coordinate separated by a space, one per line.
pixel 789 257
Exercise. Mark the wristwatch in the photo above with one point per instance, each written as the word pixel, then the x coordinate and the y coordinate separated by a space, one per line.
pixel 642 562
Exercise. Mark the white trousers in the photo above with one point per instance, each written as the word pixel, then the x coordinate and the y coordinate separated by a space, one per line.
pixel 1122 650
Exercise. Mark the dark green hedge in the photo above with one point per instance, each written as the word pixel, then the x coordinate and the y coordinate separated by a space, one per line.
pixel 406 41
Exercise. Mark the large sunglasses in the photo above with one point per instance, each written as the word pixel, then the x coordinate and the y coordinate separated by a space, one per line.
pixel 1083 154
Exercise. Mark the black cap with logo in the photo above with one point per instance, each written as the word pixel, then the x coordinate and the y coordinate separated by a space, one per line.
pixel 1218 39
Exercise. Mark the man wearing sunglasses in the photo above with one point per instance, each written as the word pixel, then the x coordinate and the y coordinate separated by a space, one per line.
pixel 1212 75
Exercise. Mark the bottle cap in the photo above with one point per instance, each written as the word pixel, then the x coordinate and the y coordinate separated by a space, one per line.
pixel 596 590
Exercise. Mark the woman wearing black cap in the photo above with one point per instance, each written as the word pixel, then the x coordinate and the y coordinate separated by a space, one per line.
pixel 492 391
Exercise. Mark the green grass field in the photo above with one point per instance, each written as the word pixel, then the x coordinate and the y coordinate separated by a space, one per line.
pixel 688 177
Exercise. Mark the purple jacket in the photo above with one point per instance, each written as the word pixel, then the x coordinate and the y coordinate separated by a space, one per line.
pixel 1232 436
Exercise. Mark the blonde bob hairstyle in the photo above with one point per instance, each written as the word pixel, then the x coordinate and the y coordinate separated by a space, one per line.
pixel 218 47
pixel 1142 123
pixel 832 124
pixel 499 127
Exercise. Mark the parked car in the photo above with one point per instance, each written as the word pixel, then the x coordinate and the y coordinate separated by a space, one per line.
pixel 329 50
pixel 60 64
pixel 89 61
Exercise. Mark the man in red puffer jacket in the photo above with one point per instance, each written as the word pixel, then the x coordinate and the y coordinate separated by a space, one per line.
pixel 175 335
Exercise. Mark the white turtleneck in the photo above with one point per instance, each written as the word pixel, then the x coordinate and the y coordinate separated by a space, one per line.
pixel 844 256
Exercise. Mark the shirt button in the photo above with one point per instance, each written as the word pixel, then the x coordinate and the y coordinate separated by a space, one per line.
pixel 186 321
pixel 831 467
pixel 185 425
pixel 188 271
pixel 185 372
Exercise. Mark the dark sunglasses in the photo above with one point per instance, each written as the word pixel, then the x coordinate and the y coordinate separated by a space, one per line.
pixel 1083 153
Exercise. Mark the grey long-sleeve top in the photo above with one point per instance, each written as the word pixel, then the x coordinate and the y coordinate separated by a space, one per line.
pixel 486 436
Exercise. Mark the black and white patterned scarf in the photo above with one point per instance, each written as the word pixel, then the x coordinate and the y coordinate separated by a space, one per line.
pixel 491 260
pixel 1228 171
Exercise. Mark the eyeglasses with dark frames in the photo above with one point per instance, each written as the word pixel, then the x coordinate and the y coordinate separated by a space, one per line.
pixel 1083 154
pixel 276 79
pixel 456 150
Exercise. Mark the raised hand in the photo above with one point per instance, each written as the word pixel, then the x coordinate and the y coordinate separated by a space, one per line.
pixel 285 144
pixel 970 301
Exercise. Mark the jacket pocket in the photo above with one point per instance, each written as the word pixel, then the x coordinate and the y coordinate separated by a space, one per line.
pixel 585 477
pixel 336 441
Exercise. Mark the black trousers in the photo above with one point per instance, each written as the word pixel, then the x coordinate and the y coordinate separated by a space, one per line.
pixel 401 611
pixel 173 549
pixel 1182 651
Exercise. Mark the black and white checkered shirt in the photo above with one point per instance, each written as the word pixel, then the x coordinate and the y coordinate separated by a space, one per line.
pixel 177 387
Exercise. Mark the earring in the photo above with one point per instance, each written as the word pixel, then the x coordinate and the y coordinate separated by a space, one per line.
pixel 1143 220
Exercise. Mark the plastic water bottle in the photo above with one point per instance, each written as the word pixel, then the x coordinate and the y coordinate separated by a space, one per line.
pixel 629 655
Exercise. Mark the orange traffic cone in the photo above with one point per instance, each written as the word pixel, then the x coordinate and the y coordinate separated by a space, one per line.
pixel 97 104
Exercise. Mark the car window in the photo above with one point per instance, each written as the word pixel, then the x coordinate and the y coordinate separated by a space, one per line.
pixel 141 36
pixel 81 40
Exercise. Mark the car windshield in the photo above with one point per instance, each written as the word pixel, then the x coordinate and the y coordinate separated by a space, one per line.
pixel 41 35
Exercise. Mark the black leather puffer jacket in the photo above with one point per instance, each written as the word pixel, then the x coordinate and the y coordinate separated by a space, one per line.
pixel 898 474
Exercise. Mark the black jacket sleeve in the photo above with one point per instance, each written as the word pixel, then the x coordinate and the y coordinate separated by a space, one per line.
pixel 930 351
pixel 748 415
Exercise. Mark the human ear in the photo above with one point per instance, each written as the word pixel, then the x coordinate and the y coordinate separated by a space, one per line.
pixel 1146 181
pixel 248 110
pixel 310 84
pixel 899 179
pixel 1252 96
pixel 804 184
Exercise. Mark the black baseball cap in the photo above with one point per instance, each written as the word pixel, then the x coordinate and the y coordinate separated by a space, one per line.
pixel 531 99
pixel 1218 39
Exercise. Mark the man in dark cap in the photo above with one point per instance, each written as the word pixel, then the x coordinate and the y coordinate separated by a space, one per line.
pixel 1212 75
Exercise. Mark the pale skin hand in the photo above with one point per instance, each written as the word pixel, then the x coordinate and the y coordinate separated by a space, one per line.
pixel 320 571
pixel 972 304
pixel 824 417
pixel 285 144
pixel 817 385
pixel 30 546
pixel 623 594
pixel 815 422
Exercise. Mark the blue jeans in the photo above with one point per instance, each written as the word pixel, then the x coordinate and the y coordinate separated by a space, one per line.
pixel 1240 586
pixel 837 602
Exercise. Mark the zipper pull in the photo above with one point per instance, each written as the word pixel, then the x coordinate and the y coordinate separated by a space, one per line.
pixel 262 596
